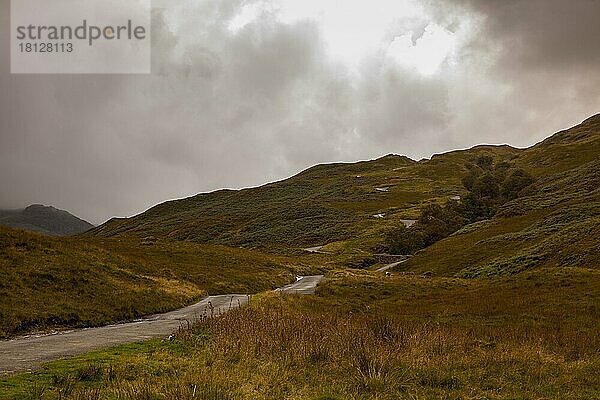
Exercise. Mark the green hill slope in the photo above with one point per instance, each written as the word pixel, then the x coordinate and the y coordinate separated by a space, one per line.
pixel 348 206
pixel 556 224
pixel 565 150
pixel 327 203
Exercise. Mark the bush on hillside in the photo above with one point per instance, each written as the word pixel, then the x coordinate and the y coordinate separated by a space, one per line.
pixel 403 241
pixel 437 222
pixel 489 186
pixel 514 183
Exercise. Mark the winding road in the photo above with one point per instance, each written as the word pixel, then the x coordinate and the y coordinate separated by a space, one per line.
pixel 390 266
pixel 28 353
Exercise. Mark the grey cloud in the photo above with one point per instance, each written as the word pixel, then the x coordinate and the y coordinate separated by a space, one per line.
pixel 401 110
pixel 234 109
pixel 544 34
pixel 532 67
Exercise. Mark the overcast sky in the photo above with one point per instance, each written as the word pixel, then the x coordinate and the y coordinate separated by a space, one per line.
pixel 246 92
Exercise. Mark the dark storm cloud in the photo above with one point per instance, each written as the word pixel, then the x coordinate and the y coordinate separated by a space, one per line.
pixel 228 108
pixel 536 62
pixel 546 34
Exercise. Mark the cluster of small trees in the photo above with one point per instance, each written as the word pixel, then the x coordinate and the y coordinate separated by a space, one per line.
pixel 489 185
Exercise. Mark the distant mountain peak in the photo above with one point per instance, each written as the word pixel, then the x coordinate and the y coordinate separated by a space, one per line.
pixel 34 206
pixel 40 207
pixel 44 219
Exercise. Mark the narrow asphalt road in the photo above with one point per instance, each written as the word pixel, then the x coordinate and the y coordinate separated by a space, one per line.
pixel 390 266
pixel 316 250
pixel 303 285
pixel 28 353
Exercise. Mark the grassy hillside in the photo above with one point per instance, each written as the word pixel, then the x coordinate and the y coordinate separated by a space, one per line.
pixel 73 282
pixel 565 150
pixel 316 206
pixel 556 224
pixel 349 207
pixel 325 204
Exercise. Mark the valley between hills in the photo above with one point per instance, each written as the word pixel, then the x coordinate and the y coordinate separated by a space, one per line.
pixel 497 297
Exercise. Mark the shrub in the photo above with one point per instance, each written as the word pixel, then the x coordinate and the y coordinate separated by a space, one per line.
pixel 514 183
pixel 404 241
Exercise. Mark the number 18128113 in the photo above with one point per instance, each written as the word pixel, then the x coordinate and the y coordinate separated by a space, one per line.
pixel 46 47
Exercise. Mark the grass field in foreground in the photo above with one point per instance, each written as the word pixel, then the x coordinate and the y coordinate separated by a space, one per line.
pixel 364 336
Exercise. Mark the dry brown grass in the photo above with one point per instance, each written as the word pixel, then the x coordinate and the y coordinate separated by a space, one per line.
pixel 367 337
